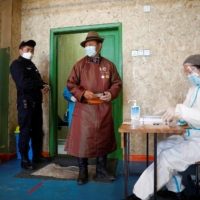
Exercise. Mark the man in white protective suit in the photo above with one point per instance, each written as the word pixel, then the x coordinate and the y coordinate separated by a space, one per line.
pixel 177 152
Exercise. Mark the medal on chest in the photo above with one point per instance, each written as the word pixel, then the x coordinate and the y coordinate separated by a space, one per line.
pixel 104 72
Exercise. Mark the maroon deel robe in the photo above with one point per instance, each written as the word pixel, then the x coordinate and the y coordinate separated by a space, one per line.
pixel 91 131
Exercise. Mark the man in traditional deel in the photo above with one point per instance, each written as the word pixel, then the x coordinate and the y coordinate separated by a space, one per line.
pixel 94 82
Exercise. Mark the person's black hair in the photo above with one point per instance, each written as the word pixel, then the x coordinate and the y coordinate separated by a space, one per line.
pixel 197 66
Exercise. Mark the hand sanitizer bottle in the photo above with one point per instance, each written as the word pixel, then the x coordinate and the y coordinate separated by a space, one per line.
pixel 135 111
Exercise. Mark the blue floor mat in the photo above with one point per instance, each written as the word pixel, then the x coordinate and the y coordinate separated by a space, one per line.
pixel 23 188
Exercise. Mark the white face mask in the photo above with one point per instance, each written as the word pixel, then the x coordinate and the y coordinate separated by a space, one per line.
pixel 27 55
pixel 90 51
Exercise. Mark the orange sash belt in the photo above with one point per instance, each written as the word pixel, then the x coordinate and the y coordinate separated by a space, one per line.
pixel 94 101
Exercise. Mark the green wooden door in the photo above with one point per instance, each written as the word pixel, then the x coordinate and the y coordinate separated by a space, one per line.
pixel 62 61
pixel 4 83
pixel 69 52
pixel 110 51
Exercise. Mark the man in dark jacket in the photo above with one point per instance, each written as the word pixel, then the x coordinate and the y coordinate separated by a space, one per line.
pixel 30 89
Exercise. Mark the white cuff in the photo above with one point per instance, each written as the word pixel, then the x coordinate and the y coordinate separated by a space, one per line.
pixel 73 99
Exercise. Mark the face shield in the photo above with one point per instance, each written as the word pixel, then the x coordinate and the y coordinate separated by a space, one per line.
pixel 193 74
pixel 192 70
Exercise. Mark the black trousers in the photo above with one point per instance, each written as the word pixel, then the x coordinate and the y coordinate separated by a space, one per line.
pixel 30 121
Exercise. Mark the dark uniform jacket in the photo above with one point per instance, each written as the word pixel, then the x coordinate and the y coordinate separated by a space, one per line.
pixel 27 79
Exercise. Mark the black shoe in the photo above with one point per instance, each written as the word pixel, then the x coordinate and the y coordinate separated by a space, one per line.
pixel 82 177
pixel 27 164
pixel 133 197
pixel 40 159
pixel 103 174
pixel 166 194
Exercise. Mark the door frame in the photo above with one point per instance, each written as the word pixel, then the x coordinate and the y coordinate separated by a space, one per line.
pixel 54 33
pixel 4 98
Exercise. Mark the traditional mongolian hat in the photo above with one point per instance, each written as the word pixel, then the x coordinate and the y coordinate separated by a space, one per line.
pixel 92 35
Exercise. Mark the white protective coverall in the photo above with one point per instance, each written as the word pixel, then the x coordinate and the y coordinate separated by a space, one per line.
pixel 176 153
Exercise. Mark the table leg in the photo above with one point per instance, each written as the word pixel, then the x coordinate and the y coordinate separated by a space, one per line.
pixel 197 180
pixel 147 150
pixel 126 162
pixel 155 165
pixel 197 176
